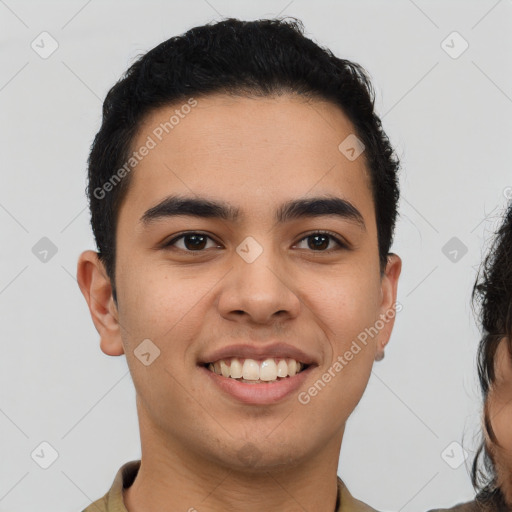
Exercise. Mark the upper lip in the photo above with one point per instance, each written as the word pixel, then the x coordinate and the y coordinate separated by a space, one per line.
pixel 245 351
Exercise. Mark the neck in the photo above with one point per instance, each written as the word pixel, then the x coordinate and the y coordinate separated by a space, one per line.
pixel 172 479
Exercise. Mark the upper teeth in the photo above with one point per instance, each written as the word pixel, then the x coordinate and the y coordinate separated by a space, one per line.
pixel 250 369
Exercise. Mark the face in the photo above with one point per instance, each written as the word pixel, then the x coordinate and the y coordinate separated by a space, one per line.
pixel 284 266
pixel 500 414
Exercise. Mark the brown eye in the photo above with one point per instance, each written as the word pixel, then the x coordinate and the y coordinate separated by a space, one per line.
pixel 190 242
pixel 320 241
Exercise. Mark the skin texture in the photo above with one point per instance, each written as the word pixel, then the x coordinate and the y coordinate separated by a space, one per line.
pixel 499 403
pixel 254 153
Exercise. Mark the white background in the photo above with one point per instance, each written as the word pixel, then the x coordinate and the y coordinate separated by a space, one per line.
pixel 451 122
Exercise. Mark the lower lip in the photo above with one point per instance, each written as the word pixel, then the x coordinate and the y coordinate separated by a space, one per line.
pixel 259 394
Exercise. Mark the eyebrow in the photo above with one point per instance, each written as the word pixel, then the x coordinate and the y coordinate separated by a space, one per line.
pixel 173 206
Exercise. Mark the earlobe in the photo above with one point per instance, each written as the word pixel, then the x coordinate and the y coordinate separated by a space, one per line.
pixel 97 290
pixel 379 355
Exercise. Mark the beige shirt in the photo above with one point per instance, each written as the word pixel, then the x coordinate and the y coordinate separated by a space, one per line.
pixel 113 500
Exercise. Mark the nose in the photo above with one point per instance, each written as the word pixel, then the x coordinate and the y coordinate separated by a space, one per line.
pixel 259 292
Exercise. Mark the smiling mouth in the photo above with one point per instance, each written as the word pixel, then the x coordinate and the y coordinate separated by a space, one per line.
pixel 252 371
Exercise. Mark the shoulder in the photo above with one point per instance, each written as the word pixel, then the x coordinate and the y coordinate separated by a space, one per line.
pixel 113 500
pixel 100 505
pixel 470 506
pixel 348 502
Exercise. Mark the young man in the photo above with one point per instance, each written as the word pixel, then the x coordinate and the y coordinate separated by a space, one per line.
pixel 243 198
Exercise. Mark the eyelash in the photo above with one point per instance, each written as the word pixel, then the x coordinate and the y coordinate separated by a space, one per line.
pixel 341 245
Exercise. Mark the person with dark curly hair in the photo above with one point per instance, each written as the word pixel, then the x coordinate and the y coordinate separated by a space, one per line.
pixel 492 468
pixel 492 292
pixel 243 199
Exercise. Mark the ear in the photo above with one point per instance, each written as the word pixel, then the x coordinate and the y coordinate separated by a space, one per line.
pixel 97 290
pixel 503 368
pixel 388 306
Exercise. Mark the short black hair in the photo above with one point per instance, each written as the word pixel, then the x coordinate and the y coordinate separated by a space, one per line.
pixel 492 293
pixel 243 58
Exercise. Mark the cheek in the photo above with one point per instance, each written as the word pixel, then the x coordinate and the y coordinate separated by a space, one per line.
pixel 500 410
pixel 502 428
pixel 350 304
pixel 153 303
pixel 348 310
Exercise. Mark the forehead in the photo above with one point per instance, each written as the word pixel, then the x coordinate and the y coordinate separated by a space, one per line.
pixel 249 151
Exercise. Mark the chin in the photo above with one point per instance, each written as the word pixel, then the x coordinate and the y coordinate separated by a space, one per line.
pixel 255 458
